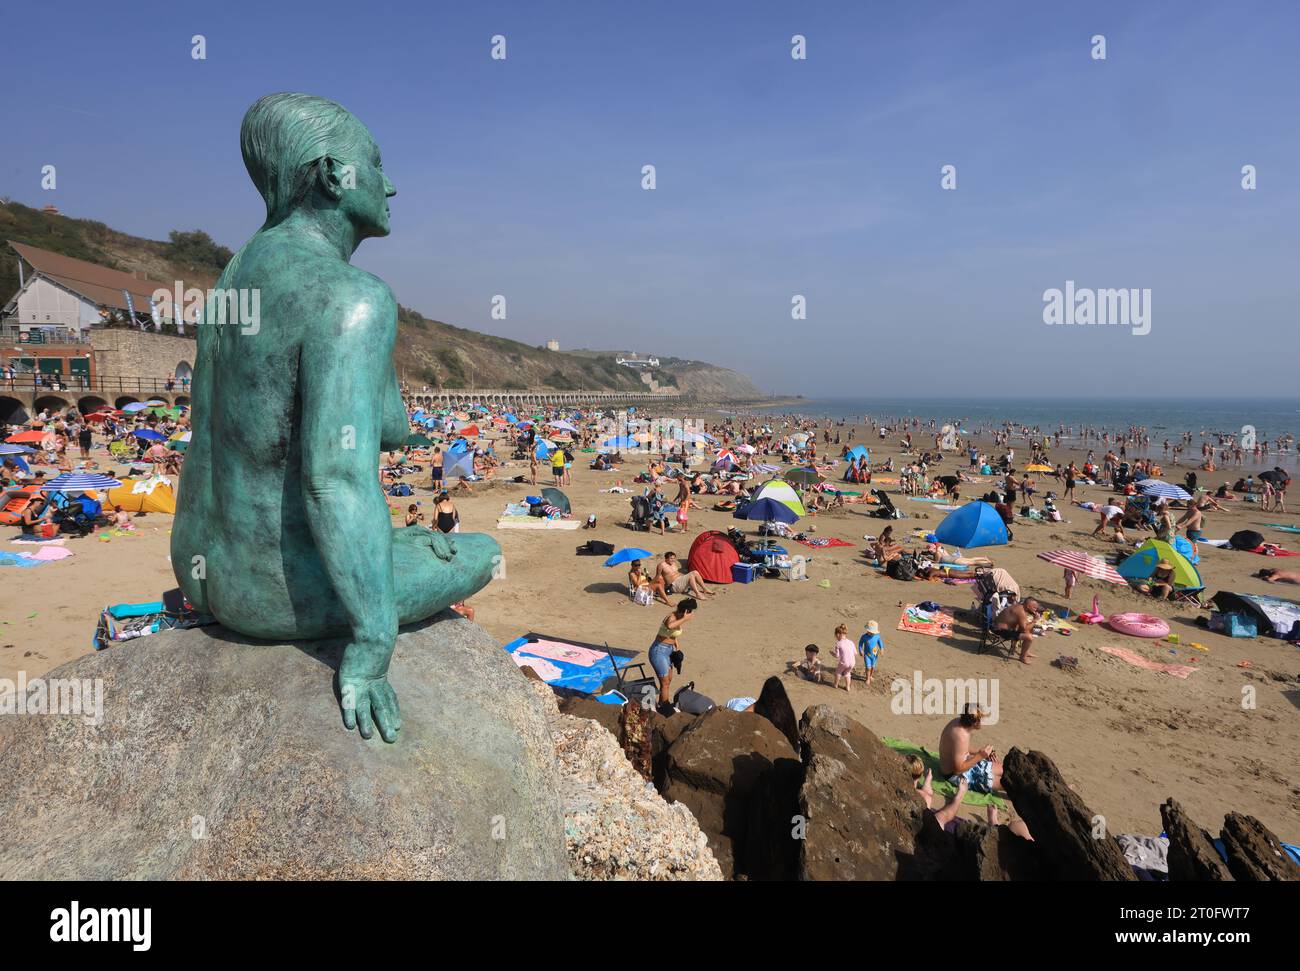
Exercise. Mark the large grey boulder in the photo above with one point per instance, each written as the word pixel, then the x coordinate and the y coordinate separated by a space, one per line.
pixel 222 758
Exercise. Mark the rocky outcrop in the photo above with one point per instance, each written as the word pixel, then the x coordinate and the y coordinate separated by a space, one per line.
pixel 221 758
pixel 1253 852
pixel 859 810
pixel 1192 855
pixel 616 825
pixel 1071 842
pixel 725 767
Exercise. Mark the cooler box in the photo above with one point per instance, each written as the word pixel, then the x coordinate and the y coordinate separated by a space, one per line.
pixel 743 572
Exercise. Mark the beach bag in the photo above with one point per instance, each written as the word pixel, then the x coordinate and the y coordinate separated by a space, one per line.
pixel 399 489
pixel 903 568
pixel 1237 624
pixel 692 702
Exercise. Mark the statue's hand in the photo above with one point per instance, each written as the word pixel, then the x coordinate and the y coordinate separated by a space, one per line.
pixel 444 547
pixel 368 701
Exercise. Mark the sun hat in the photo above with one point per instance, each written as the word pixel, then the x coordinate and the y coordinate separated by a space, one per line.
pixel 1164 565
pixel 873 627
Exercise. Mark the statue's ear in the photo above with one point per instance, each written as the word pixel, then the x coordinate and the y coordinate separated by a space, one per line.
pixel 329 177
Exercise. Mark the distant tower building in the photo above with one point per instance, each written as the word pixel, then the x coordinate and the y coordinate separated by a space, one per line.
pixel 552 345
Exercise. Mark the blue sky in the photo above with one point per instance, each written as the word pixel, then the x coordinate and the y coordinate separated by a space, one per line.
pixel 775 177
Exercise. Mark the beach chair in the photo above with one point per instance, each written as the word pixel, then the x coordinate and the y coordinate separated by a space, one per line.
pixel 635 690
pixel 990 636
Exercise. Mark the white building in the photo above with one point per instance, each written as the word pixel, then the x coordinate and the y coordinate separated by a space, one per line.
pixel 552 345
pixel 61 297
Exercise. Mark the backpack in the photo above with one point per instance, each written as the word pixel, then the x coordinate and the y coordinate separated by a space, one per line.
pixel 692 702
pixel 903 568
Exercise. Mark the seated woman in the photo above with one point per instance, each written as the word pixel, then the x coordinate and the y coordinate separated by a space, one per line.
pixel 885 548
pixel 638 585
pixel 38 512
pixel 1161 582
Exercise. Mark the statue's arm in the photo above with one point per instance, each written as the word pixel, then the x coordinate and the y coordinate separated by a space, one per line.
pixel 343 382
pixel 396 423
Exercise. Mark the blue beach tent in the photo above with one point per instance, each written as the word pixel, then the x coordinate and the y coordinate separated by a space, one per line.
pixel 974 524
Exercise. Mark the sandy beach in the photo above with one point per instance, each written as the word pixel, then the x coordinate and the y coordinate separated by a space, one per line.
pixel 1126 737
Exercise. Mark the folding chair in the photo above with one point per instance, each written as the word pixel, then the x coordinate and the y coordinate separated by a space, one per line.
pixel 638 689
pixel 991 636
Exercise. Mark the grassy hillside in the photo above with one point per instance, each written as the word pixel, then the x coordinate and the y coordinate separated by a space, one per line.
pixel 429 352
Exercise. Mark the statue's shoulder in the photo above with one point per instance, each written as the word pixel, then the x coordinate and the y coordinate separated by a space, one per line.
pixel 362 296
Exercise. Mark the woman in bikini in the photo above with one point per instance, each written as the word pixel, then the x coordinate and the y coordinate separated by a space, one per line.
pixel 666 645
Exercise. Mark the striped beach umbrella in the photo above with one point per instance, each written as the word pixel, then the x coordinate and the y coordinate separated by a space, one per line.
pixel 781 491
pixel 82 481
pixel 1162 490
pixel 1083 563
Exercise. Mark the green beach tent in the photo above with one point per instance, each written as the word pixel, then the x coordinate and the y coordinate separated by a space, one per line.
pixel 1143 563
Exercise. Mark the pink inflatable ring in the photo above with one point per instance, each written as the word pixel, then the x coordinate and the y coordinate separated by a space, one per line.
pixel 1138 625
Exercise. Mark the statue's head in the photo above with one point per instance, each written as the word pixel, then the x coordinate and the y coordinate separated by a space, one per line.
pixel 305 151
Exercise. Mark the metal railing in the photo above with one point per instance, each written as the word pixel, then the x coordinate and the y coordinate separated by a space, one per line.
pixel 34 383
pixel 38 337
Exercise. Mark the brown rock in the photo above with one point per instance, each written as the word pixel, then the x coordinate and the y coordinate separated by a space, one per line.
pixel 1062 824
pixel 1254 853
pixel 716 767
pixel 1192 855
pixel 579 707
pixel 857 801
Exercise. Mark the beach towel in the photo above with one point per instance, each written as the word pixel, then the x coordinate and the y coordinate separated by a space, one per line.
pixel 935 500
pixel 534 522
pixel 934 623
pixel 49 553
pixel 1285 529
pixel 17 559
pixel 1138 661
pixel 939 784
pixel 20 538
pixel 823 543
pixel 1272 549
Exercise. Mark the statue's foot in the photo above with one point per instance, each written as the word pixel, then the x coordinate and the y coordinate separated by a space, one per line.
pixel 367 702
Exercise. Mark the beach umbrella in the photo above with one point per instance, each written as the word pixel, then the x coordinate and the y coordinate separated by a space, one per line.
pixel 768 510
pixel 182 437
pixel 1162 490
pixel 419 441
pixel 7 449
pixel 469 431
pixel 1084 563
pixel 974 524
pixel 725 460
pixel 628 555
pixel 747 449
pixel 155 401
pixel 149 435
pixel 1039 468
pixel 82 481
pixel 619 442
pixel 134 406
pixel 803 477
pixel 858 452
pixel 557 499
pixel 783 493
pixel 563 425
pixel 27 438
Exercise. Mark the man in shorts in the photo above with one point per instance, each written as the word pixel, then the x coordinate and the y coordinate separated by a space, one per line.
pixel 669 578
pixel 981 769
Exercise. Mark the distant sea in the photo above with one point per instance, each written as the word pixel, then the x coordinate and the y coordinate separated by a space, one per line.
pixel 1162 417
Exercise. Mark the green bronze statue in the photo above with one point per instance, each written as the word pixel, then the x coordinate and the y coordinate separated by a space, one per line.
pixel 282 529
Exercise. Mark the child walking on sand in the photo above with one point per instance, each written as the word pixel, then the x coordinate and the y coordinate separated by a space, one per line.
pixel 845 657
pixel 870 644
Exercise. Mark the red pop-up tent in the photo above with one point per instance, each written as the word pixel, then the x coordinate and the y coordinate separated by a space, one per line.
pixel 712 555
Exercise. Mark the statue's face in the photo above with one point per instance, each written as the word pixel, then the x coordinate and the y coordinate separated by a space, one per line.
pixel 367 191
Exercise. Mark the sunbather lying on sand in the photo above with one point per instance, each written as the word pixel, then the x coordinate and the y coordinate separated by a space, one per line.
pixel 1279 576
